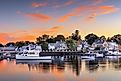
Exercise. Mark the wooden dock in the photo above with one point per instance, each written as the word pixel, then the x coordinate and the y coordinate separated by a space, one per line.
pixel 61 53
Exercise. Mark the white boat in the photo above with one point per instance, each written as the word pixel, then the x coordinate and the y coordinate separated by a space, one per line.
pixel 99 55
pixel 31 52
pixel 88 56
pixel 114 52
pixel 33 61
pixel 31 55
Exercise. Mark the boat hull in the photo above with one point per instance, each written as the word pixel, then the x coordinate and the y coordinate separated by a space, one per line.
pixel 20 57
pixel 99 55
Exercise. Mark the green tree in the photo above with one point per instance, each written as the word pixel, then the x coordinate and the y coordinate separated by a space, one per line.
pixel 45 37
pixel 71 44
pixel 1 45
pixel 51 40
pixel 19 43
pixel 10 44
pixel 116 38
pixel 28 42
pixel 60 38
pixel 103 38
pixel 40 39
pixel 76 36
pixel 44 45
pixel 91 38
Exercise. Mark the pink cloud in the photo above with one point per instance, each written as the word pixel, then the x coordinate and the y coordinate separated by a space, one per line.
pixel 68 3
pixel 35 4
pixel 95 2
pixel 50 31
pixel 4 37
pixel 89 12
pixel 35 16
pixel 38 16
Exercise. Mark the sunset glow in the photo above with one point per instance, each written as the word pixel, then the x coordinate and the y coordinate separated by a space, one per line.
pixel 22 20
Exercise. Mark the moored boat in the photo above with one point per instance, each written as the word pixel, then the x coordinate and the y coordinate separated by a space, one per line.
pixel 88 56
pixel 31 55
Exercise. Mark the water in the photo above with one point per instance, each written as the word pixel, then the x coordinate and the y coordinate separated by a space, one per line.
pixel 71 70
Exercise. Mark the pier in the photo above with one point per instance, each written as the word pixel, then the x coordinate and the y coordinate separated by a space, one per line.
pixel 60 52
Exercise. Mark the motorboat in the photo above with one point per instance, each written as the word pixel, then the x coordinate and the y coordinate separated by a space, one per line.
pixel 32 61
pixel 114 53
pixel 31 55
pixel 88 56
pixel 99 55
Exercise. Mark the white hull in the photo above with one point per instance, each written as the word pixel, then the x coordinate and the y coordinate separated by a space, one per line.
pixel 88 57
pixel 33 61
pixel 20 57
pixel 99 55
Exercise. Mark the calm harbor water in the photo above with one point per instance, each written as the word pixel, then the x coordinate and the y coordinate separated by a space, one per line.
pixel 70 70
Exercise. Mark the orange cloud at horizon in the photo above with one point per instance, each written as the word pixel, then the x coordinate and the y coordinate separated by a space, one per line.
pixel 4 37
pixel 29 35
pixel 51 31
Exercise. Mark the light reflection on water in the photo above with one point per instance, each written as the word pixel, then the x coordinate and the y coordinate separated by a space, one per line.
pixel 72 70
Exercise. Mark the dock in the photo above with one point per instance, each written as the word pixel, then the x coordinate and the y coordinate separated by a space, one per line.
pixel 61 53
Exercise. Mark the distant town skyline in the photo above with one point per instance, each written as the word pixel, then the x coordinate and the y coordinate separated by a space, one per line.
pixel 22 20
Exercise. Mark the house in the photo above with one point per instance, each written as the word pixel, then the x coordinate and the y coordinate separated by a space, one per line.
pixel 29 47
pixel 100 45
pixel 51 46
pixel 83 45
pixel 113 46
pixel 60 45
pixel 7 49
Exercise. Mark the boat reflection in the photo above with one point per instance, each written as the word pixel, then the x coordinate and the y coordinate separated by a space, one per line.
pixel 76 65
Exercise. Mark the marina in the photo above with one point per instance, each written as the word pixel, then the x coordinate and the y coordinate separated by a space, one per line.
pixel 60 40
pixel 85 70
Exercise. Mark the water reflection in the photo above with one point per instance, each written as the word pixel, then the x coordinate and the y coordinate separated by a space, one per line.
pixel 76 65
pixel 54 70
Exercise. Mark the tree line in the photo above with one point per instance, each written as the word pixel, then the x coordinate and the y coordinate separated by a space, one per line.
pixel 71 41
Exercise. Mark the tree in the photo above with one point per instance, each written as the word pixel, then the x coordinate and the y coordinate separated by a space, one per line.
pixel 45 37
pixel 103 38
pixel 71 44
pixel 60 38
pixel 44 45
pixel 28 42
pixel 91 38
pixel 40 40
pixel 51 40
pixel 1 45
pixel 76 36
pixel 19 43
pixel 10 44
pixel 116 38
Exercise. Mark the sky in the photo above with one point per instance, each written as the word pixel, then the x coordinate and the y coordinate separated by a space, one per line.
pixel 22 20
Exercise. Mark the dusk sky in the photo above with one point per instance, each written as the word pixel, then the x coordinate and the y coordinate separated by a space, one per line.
pixel 28 19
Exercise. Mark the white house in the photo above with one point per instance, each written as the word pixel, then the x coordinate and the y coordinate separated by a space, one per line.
pixel 51 46
pixel 113 46
pixel 60 45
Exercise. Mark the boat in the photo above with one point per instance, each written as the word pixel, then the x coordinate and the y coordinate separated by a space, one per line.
pixel 88 56
pixel 113 53
pixel 31 55
pixel 99 55
pixel 32 61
